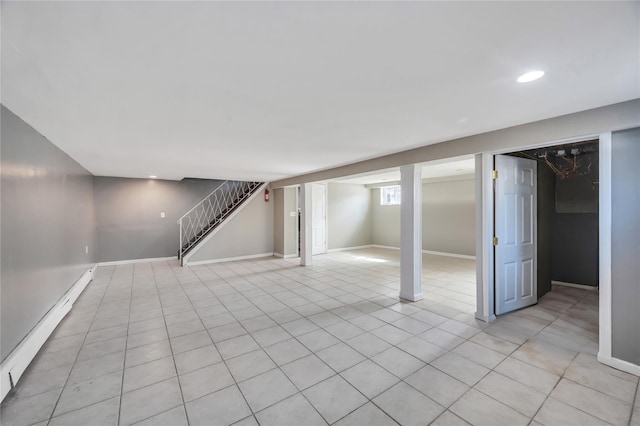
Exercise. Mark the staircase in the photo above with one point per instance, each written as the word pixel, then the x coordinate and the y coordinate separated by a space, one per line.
pixel 212 211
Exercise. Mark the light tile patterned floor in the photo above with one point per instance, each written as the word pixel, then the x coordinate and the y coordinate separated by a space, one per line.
pixel 268 342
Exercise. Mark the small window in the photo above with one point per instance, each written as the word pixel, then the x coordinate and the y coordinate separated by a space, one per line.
pixel 390 196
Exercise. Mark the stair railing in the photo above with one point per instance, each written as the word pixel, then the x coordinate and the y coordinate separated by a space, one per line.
pixel 211 211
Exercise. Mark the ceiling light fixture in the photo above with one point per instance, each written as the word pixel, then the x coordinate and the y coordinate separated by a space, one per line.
pixel 530 76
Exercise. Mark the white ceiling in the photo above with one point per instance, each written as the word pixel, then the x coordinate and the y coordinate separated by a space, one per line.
pixel 436 170
pixel 266 90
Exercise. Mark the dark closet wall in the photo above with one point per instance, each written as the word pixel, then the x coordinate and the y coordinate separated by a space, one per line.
pixel 546 211
pixel 574 235
pixel 567 227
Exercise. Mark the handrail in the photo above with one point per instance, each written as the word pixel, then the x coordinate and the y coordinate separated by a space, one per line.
pixel 202 201
pixel 211 211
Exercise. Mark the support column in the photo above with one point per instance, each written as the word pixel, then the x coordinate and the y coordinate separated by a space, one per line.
pixel 305 224
pixel 411 233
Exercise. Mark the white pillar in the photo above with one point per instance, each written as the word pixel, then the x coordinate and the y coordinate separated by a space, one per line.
pixel 411 233
pixel 305 224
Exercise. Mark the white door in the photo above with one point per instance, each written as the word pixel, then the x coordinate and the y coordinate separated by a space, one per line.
pixel 319 218
pixel 516 232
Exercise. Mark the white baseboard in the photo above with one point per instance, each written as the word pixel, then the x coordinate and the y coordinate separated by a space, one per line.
pixel 437 253
pixel 619 364
pixel 285 256
pixel 384 247
pixel 580 286
pixel 230 259
pixel 444 253
pixel 411 297
pixel 485 318
pixel 19 359
pixel 349 248
pixel 129 261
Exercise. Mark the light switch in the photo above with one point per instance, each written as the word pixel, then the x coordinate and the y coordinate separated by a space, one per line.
pixel 292 214
pixel 86 249
pixel 162 215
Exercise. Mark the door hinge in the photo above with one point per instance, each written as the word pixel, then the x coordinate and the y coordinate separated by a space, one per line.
pixel 494 174
pixel 495 241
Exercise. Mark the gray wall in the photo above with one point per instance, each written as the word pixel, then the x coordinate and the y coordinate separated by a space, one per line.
pixel 625 246
pixel 285 225
pixel 47 220
pixel 574 236
pixel 385 222
pixel 250 232
pixel 129 225
pixel 349 218
pixel 448 218
pixel 546 210
pixel 575 250
pixel 567 242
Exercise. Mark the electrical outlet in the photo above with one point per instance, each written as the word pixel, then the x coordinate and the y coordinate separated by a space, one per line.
pixel 162 215
pixel 86 249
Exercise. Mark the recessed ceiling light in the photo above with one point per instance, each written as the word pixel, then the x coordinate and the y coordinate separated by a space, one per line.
pixel 153 176
pixel 530 76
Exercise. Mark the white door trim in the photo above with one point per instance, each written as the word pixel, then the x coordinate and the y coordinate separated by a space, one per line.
pixel 604 211
pixel 485 310
pixel 485 300
pixel 484 264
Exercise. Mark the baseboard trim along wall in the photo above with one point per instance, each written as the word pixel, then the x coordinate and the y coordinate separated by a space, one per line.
pixel 19 359
pixel 384 247
pixel 436 253
pixel 231 259
pixel 349 248
pixel 619 364
pixel 280 255
pixel 129 261
pixel 580 286
pixel 444 253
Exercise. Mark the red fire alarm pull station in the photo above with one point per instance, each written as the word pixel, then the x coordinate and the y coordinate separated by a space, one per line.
pixel 266 195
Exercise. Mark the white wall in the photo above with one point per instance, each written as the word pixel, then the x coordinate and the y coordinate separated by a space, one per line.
pixel 348 215
pixel 448 218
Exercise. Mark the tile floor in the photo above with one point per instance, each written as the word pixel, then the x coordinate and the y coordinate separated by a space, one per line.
pixel 268 342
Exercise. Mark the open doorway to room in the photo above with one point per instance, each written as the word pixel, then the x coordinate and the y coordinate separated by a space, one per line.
pixel 562 270
pixel 364 219
pixel 560 209
pixel 568 214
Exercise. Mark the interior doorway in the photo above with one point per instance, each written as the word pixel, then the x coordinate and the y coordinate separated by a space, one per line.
pixel 566 219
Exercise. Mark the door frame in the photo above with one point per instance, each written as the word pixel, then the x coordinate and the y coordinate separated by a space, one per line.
pixel 485 214
pixel 485 263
